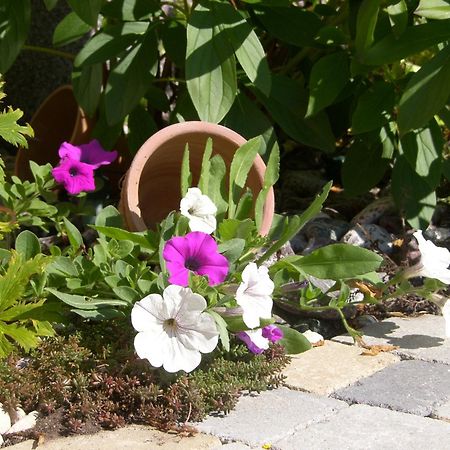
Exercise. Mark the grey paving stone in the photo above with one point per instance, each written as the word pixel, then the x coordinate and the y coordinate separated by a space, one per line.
pixel 366 427
pixel 264 418
pixel 442 412
pixel 415 387
pixel 420 337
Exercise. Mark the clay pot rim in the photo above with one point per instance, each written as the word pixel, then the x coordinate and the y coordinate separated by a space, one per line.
pixel 131 188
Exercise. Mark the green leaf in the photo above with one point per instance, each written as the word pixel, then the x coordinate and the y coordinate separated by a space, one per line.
pixel 434 9
pixel 50 4
pixel 186 174
pixel 293 25
pixel 365 24
pixel 203 182
pixel 239 169
pixel 374 107
pixel 413 40
pixel 210 66
pixel 339 261
pixel 328 78
pixel 232 228
pixel 11 131
pixel 74 235
pixel 85 302
pixel 15 18
pixel 294 224
pixel 398 17
pixel 130 10
pixel 246 45
pixel 293 341
pixel 99 314
pixel 426 93
pixel 109 217
pixel 127 293
pixel 223 331
pixel 270 178
pixel 141 238
pixel 140 127
pixel 216 188
pixel 62 266
pixel 27 339
pixel 232 249
pixel 87 11
pixel 87 84
pixel 415 198
pixel 110 42
pixel 260 125
pixel 287 105
pixel 130 79
pixel 173 35
pixel 69 30
pixel 27 244
pixel 364 165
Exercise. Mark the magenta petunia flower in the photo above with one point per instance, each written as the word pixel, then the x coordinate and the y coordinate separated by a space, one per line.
pixel 91 153
pixel 196 252
pixel 75 176
pixel 254 340
pixel 272 332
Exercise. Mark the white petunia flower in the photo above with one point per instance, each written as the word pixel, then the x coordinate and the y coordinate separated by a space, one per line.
pixel 434 261
pixel 173 329
pixel 254 295
pixel 200 210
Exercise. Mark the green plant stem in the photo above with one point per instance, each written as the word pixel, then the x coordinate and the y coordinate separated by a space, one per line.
pixel 49 51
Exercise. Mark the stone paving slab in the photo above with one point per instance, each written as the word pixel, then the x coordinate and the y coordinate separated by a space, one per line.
pixel 415 387
pixel 366 427
pixel 442 412
pixel 133 437
pixel 270 416
pixel 332 366
pixel 421 337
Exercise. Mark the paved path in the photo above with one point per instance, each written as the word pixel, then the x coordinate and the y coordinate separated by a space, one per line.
pixel 334 398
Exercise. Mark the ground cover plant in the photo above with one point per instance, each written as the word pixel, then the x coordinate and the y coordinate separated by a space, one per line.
pixel 190 303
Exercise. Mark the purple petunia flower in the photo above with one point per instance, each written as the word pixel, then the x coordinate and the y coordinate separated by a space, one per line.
pixel 75 176
pixel 254 340
pixel 196 252
pixel 91 153
pixel 272 332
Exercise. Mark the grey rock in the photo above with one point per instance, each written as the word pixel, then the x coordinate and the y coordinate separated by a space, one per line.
pixel 364 427
pixel 370 236
pixel 270 416
pixel 374 211
pixel 415 387
pixel 439 236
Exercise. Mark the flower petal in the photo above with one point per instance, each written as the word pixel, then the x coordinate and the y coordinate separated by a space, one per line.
pixel 95 155
pixel 148 312
pixel 206 224
pixel 67 150
pixel 178 357
pixel 152 346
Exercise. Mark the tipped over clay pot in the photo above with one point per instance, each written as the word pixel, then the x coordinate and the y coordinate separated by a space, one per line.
pixel 59 119
pixel 152 185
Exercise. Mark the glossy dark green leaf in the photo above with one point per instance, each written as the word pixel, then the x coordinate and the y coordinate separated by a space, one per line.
pixel 293 25
pixel 373 108
pixel 69 30
pixel 130 79
pixel 87 84
pixel 110 42
pixel 15 16
pixel 130 10
pixel 50 4
pixel 260 125
pixel 398 17
pixel 287 104
pixel 364 165
pixel 140 127
pixel 210 66
pixel 328 78
pixel 414 39
pixel 434 9
pixel 365 24
pixel 173 35
pixel 426 93
pixel 87 10
pixel 246 45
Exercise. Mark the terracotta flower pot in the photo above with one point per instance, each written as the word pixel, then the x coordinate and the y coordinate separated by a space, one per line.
pixel 152 185
pixel 60 119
